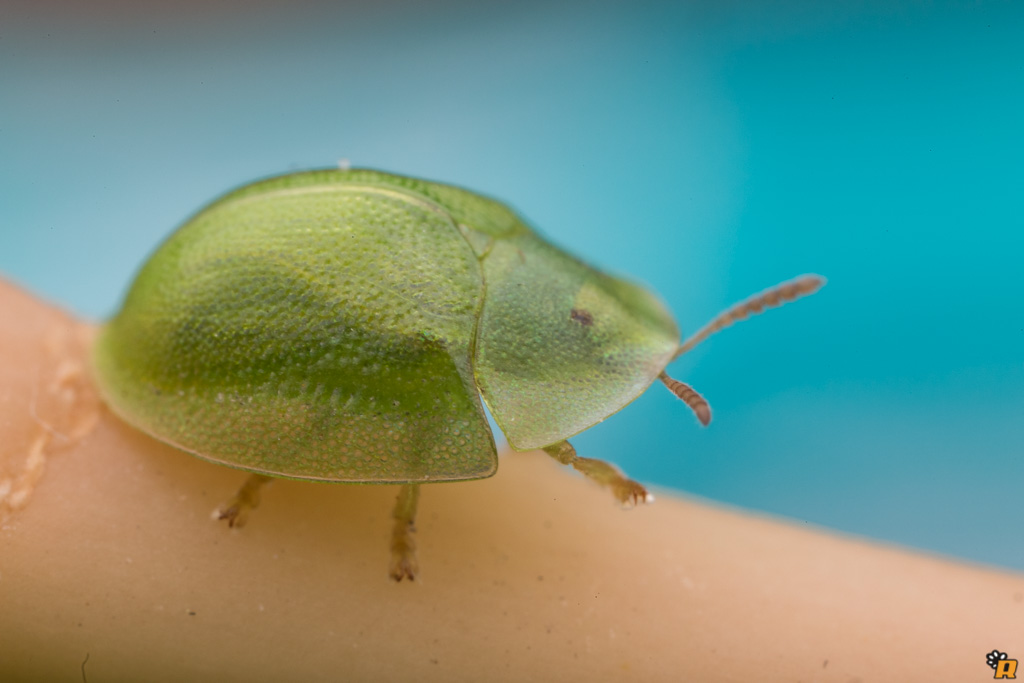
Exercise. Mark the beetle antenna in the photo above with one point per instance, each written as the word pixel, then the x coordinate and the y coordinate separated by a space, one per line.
pixel 697 403
pixel 785 292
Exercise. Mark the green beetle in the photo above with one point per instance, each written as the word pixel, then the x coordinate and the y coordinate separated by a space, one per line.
pixel 342 325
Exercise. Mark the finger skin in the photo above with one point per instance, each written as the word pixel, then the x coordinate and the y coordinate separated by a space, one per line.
pixel 534 574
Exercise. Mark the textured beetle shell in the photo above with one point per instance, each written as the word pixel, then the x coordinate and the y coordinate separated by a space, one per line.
pixel 336 326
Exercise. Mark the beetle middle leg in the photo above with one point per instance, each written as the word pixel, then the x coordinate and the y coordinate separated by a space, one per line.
pixel 625 490
pixel 236 511
pixel 403 543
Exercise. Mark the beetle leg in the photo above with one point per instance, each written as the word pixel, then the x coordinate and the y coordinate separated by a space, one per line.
pixel 626 491
pixel 236 511
pixel 403 543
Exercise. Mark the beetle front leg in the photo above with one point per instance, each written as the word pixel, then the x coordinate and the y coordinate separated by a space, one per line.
pixel 626 491
pixel 236 511
pixel 403 544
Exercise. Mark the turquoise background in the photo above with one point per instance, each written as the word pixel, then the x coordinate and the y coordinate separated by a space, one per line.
pixel 707 149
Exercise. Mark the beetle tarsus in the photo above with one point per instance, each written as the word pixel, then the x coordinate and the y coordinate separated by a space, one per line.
pixel 404 567
pixel 628 492
pixel 236 515
pixel 403 542
pixel 236 510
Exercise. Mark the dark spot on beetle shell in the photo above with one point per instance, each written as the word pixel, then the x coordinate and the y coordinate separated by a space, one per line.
pixel 582 316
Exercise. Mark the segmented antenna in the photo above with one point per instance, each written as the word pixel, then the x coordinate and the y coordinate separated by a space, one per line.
pixel 690 397
pixel 776 296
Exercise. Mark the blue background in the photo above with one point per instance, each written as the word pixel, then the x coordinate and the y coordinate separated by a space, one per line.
pixel 707 149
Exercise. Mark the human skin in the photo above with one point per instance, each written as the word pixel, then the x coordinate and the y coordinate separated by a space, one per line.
pixel 112 570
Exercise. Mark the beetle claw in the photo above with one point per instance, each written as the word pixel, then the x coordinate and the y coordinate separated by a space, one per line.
pixel 631 493
pixel 404 567
pixel 403 554
pixel 236 516
pixel 236 511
